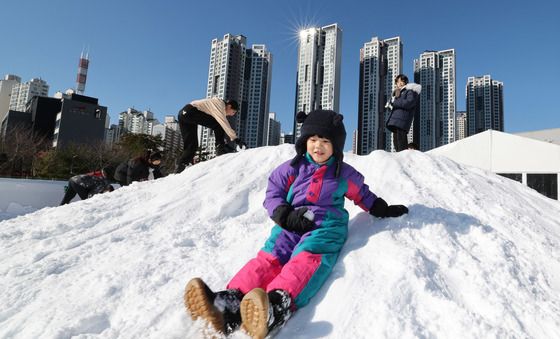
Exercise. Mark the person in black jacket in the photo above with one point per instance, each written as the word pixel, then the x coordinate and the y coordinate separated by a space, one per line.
pixel 87 185
pixel 403 105
pixel 120 173
pixel 139 168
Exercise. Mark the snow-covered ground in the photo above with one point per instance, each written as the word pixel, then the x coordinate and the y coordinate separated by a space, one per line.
pixel 477 257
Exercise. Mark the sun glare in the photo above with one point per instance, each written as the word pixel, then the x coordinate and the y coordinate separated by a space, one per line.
pixel 303 33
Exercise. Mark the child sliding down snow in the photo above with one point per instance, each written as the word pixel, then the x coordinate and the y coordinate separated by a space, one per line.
pixel 305 198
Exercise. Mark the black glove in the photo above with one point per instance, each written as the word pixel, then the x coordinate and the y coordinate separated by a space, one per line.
pixel 292 220
pixel 394 211
pixel 380 209
pixel 240 143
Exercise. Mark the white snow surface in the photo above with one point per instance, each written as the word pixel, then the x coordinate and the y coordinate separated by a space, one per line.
pixel 478 256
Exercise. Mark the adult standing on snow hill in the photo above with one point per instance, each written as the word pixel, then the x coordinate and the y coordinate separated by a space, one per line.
pixel 404 104
pixel 211 113
pixel 305 198
pixel 87 185
pixel 139 168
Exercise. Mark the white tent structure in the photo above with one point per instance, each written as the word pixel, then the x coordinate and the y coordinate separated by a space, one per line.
pixel 532 162
pixel 549 135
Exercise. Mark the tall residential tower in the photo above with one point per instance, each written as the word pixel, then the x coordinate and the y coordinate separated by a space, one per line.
pixel 485 104
pixel 6 86
pixel 225 79
pixel 435 124
pixel 461 126
pixel 318 72
pixel 23 92
pixel 380 63
pixel 254 113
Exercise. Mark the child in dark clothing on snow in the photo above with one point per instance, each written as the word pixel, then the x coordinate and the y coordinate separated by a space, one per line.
pixel 138 169
pixel 87 185
pixel 305 198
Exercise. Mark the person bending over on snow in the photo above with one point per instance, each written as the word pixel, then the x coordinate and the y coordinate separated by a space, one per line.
pixel 211 113
pixel 305 198
pixel 87 185
pixel 140 168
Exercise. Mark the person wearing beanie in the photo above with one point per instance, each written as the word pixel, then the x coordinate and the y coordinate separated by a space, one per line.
pixel 305 199
pixel 211 113
pixel 87 185
pixel 141 168
pixel 403 105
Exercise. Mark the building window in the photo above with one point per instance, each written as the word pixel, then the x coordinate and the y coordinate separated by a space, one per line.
pixel 546 184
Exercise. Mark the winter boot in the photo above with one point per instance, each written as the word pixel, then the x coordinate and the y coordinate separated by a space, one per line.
pixel 264 313
pixel 219 309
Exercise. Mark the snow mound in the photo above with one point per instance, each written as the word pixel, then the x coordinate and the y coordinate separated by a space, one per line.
pixel 478 255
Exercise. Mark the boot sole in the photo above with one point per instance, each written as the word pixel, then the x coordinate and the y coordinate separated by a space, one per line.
pixel 254 313
pixel 199 306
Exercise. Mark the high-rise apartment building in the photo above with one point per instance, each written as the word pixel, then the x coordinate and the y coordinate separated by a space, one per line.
pixel 461 126
pixel 256 97
pixel 380 63
pixel 434 125
pixel 112 134
pixel 170 121
pixel 355 142
pixel 226 74
pixel 244 75
pixel 6 86
pixel 485 104
pixel 274 130
pixel 318 70
pixel 23 92
pixel 137 122
pixel 170 134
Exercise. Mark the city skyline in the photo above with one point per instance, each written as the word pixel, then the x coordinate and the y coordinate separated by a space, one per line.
pixel 147 56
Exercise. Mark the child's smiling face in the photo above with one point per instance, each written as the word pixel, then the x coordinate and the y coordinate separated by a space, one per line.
pixel 320 149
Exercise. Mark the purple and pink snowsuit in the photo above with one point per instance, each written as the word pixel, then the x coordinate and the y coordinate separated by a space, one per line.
pixel 300 264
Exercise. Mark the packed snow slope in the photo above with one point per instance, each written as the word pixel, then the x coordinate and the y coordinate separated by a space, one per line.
pixel 478 256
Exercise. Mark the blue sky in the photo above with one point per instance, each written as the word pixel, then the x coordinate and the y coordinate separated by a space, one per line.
pixel 154 54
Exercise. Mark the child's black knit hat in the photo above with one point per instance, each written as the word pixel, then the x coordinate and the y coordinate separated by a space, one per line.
pixel 326 124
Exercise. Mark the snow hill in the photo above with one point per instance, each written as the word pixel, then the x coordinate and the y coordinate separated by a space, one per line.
pixel 477 257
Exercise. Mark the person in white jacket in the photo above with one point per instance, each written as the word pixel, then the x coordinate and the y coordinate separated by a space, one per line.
pixel 211 113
